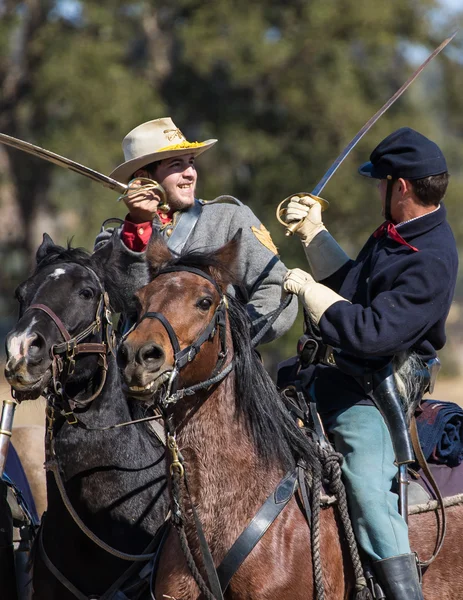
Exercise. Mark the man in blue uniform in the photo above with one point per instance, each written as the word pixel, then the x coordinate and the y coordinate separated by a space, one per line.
pixel 394 298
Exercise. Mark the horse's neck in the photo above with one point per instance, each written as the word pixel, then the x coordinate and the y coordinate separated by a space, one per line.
pixel 113 477
pixel 227 480
pixel 83 449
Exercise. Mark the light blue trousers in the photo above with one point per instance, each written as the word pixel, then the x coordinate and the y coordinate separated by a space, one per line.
pixel 361 436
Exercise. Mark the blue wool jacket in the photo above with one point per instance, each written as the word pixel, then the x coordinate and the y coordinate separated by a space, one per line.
pixel 400 300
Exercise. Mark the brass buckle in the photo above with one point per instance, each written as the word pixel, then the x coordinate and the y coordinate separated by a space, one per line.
pixel 70 418
pixel 175 465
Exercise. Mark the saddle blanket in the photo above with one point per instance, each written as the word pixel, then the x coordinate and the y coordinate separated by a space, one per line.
pixel 440 429
pixel 449 481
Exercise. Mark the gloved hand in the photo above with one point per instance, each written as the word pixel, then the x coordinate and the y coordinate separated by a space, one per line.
pixel 309 211
pixel 315 297
pixel 298 282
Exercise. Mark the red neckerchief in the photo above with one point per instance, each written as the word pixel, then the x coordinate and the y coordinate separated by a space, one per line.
pixel 165 218
pixel 389 229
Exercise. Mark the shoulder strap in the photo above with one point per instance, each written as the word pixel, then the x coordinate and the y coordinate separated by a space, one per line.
pixel 184 227
pixel 224 199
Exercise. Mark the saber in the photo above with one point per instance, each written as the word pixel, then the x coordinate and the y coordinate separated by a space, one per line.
pixel 340 159
pixel 61 161
pixel 67 163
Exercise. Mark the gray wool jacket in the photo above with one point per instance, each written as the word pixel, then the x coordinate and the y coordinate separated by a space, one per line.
pixel 261 272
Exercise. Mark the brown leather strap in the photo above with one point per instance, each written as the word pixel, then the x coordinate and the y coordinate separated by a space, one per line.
pixel 425 468
pixel 54 317
pixel 91 348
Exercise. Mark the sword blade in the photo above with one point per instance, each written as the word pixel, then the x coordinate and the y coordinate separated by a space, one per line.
pixel 334 167
pixel 61 161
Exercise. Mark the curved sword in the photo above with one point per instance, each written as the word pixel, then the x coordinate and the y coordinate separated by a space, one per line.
pixel 340 159
pixel 67 163
pixel 61 161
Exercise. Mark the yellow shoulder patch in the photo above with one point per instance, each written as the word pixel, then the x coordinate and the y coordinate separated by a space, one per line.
pixel 264 237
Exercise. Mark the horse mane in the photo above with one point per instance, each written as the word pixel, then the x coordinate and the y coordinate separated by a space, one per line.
pixel 108 277
pixel 275 435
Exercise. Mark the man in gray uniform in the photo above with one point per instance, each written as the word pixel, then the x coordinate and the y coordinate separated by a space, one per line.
pixel 158 150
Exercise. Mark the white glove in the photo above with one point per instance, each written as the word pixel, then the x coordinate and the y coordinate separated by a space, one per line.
pixel 309 211
pixel 297 282
pixel 315 297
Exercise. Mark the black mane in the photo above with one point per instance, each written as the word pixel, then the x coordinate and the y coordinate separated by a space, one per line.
pixel 109 277
pixel 275 434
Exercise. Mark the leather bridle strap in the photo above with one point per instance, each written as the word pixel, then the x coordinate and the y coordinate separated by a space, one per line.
pixel 54 318
pixel 154 546
pixel 387 203
pixel 52 465
pixel 183 357
pixel 167 326
pixel 425 468
pixel 256 529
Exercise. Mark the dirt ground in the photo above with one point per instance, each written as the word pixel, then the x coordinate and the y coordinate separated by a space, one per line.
pixel 32 413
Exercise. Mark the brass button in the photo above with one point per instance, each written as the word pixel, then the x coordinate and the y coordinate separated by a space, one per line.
pixel 169 232
pixel 141 231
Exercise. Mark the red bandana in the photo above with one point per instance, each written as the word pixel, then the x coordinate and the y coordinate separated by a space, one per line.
pixel 389 229
pixel 165 218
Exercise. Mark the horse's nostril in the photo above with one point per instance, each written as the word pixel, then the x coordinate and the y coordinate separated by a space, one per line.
pixel 37 344
pixel 151 354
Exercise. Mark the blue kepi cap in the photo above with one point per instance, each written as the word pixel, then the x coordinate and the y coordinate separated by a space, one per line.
pixel 406 154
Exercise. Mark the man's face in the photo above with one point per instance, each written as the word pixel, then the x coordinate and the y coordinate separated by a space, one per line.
pixel 178 177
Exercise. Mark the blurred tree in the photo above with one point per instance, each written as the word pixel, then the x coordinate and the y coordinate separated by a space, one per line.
pixel 283 85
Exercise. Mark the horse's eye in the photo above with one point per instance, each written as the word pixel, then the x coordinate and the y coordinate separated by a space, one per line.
pixel 204 303
pixel 86 293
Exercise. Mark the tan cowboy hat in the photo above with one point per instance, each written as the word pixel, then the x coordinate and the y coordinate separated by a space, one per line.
pixel 152 141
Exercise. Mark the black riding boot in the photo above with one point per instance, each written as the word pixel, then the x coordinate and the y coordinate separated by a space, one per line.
pixel 398 577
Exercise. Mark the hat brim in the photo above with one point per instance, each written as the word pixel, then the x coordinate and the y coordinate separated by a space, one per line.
pixel 366 169
pixel 124 171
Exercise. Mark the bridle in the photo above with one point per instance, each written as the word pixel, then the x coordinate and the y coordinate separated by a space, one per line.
pixel 64 355
pixel 183 357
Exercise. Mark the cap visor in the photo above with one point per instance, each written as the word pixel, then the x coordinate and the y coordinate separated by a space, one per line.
pixel 366 169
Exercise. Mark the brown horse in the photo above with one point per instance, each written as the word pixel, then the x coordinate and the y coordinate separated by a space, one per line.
pixel 237 442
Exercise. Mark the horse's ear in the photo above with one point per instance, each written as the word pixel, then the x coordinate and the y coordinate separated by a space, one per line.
pixel 157 253
pixel 44 248
pixel 228 256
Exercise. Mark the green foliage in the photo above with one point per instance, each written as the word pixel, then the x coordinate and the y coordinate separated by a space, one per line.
pixel 283 85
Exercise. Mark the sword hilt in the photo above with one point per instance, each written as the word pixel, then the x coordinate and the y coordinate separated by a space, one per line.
pixel 146 185
pixel 281 211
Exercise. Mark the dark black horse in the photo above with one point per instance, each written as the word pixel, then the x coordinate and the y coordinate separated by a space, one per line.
pixel 115 479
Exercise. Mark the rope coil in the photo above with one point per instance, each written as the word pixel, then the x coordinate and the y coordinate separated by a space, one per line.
pixel 330 473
